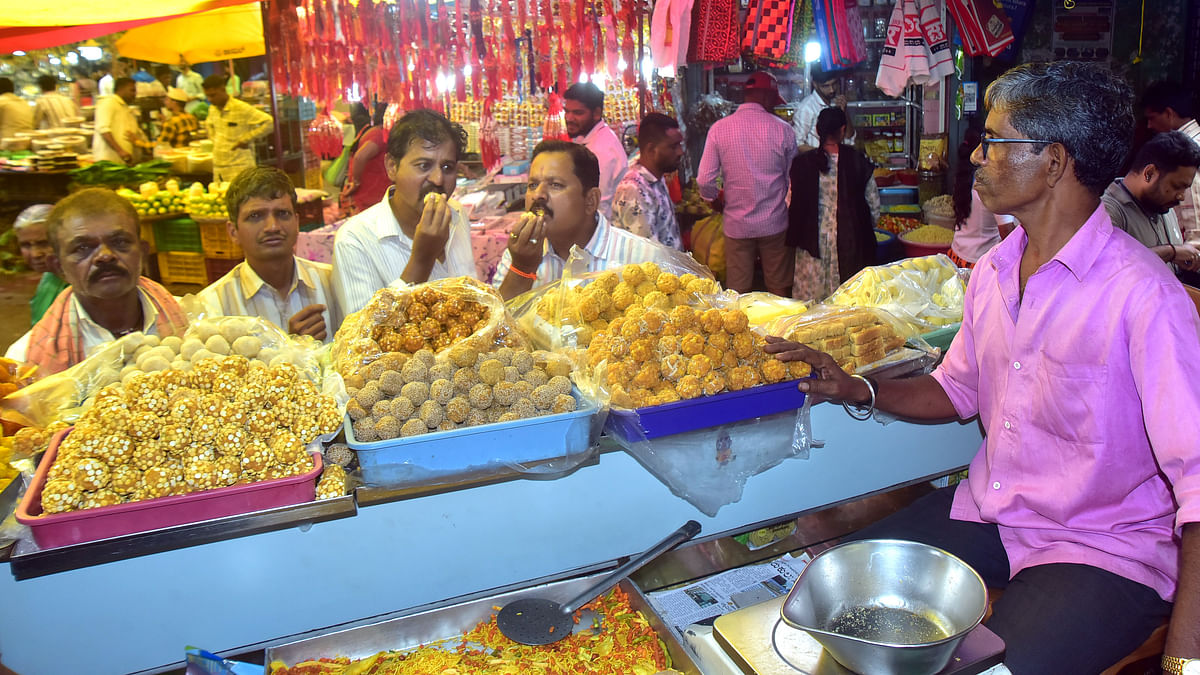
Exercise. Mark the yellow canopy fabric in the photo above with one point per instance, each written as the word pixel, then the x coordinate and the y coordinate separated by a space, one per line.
pixel 79 12
pixel 226 33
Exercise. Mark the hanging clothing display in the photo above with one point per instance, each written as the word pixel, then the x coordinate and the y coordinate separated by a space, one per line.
pixel 670 28
pixel 984 26
pixel 768 28
pixel 716 35
pixel 839 25
pixel 916 51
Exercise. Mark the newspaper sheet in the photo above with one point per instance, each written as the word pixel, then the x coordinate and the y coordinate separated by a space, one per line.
pixel 722 593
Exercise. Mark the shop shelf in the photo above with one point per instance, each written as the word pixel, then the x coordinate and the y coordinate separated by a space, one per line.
pixel 73 527
pixel 182 267
pixel 177 234
pixel 215 241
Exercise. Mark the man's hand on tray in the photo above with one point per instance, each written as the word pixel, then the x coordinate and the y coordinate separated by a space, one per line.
pixel 829 381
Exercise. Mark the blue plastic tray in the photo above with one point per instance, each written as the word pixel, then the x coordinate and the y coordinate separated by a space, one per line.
pixel 443 454
pixel 704 412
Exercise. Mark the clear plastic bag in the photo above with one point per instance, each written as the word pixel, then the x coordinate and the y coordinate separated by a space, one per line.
pixel 708 467
pixel 62 396
pixel 840 332
pixel 404 319
pixel 925 292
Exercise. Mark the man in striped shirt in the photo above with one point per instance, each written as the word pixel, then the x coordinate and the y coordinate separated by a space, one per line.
pixel 752 150
pixel 293 293
pixel 1168 108
pixel 563 201
pixel 52 107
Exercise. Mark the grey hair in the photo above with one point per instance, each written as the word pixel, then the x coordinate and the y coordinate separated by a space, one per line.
pixel 1083 106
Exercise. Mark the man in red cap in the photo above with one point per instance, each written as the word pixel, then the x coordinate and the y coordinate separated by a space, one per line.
pixel 752 151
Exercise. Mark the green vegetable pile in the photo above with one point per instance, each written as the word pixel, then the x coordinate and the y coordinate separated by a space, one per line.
pixel 113 174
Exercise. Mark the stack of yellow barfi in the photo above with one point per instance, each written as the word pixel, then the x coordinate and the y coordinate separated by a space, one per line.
pixel 854 338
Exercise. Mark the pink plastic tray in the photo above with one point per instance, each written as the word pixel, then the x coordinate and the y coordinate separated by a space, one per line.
pixel 75 527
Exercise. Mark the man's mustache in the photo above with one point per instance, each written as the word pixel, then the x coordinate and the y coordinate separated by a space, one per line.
pixel 107 269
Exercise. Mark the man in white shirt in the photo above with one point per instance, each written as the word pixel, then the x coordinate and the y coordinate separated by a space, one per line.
pixel 583 111
pixel 233 125
pixel 116 125
pixel 94 233
pixel 107 86
pixel 52 107
pixel 15 112
pixel 415 233
pixel 826 93
pixel 292 293
pixel 562 202
pixel 192 83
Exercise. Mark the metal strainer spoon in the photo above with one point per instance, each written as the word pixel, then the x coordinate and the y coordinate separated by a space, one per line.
pixel 537 621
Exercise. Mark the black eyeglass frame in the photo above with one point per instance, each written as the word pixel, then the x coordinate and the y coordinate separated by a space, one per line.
pixel 984 141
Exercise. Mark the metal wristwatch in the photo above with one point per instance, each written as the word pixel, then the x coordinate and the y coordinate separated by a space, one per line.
pixel 1173 665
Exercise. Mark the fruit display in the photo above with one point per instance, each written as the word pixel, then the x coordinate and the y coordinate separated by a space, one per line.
pixel 855 338
pixel 924 292
pixel 151 201
pixel 692 204
pixel 399 396
pixel 227 421
pixel 431 316
pixel 584 310
pixel 619 642
pixel 207 205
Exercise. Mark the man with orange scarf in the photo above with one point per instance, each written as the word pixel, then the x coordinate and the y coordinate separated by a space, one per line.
pixel 94 234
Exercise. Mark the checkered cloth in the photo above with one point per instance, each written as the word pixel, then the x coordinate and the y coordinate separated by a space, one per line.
pixel 768 28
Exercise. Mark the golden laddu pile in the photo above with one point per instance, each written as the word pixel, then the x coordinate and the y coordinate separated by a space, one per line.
pixel 401 396
pixel 660 349
pixel 854 338
pixel 428 319
pixel 625 644
pixel 586 310
pixel 226 421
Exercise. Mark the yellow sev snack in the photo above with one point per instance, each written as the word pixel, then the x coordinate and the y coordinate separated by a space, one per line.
pixel 624 644
pixel 930 234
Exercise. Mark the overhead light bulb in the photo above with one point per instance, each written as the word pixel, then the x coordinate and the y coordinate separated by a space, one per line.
pixel 599 79
pixel 812 51
pixel 18 53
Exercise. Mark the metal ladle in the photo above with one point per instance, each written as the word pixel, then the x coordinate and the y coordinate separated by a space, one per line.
pixel 537 621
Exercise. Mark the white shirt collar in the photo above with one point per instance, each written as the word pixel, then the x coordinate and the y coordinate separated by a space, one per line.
pixel 149 316
pixel 251 283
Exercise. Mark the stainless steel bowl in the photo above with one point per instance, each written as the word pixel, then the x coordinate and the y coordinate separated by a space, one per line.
pixel 887 607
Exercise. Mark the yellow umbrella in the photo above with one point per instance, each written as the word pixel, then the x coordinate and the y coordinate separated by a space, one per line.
pixel 216 35
pixel 80 12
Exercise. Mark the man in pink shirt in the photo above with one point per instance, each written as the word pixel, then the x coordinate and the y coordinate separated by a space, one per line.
pixel 752 151
pixel 1076 352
